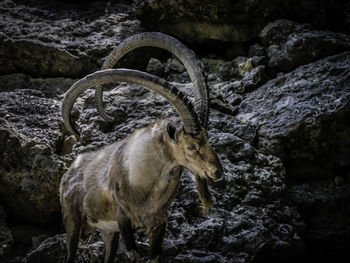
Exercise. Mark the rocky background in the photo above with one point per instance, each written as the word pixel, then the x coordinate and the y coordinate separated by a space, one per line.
pixel 279 79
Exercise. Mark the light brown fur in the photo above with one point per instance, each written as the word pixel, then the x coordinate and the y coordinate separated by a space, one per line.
pixel 135 179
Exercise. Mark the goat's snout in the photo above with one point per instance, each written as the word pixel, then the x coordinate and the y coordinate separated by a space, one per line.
pixel 218 175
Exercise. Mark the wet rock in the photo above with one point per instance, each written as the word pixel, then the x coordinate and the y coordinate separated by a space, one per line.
pixel 301 116
pixel 290 44
pixel 59 40
pixel 6 239
pixel 30 163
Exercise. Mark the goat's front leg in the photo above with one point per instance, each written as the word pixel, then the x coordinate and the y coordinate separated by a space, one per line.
pixel 111 242
pixel 127 233
pixel 156 241
pixel 204 194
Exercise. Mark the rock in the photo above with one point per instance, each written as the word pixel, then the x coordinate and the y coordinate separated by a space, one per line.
pixel 245 67
pixel 53 39
pixel 290 44
pixel 253 80
pixel 240 225
pixel 30 162
pixel 256 50
pixel 239 21
pixel 233 70
pixel 301 116
pixel 324 207
pixel 54 250
pixel 261 60
pixel 6 239
pixel 155 67
pixel 50 87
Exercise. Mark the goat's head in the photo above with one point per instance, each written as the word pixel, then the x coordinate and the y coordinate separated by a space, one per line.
pixel 190 143
pixel 195 153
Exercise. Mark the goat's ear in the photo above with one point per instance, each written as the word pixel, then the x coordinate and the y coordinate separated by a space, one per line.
pixel 172 132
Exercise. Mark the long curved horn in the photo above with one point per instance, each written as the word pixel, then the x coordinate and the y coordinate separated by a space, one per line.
pixel 156 39
pixel 178 99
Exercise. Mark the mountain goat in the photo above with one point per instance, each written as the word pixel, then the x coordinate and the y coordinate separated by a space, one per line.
pixel 130 185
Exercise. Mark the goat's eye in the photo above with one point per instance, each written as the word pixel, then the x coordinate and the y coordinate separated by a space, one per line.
pixel 191 148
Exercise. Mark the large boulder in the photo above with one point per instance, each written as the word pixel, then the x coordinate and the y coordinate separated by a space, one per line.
pixel 49 38
pixel 31 164
pixel 301 116
pixel 290 44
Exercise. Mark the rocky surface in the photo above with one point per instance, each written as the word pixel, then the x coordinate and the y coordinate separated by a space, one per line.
pixel 54 39
pixel 286 192
pixel 202 21
pixel 30 163
pixel 50 87
pixel 6 239
pixel 290 44
pixel 301 116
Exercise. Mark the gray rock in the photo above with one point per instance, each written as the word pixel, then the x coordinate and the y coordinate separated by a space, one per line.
pixel 290 44
pixel 253 80
pixel 50 87
pixel 301 116
pixel 30 162
pixel 233 70
pixel 155 67
pixel 59 40
pixel 256 50
pixel 6 239
pixel 53 250
pixel 238 21
pixel 324 207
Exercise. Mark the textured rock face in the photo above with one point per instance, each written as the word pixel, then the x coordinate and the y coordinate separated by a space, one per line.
pixel 286 191
pixel 242 20
pixel 6 239
pixel 301 116
pixel 30 163
pixel 60 40
pixel 324 205
pixel 50 87
pixel 290 44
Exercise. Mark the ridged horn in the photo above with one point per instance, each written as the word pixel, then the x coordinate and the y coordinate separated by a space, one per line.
pixel 178 99
pixel 160 40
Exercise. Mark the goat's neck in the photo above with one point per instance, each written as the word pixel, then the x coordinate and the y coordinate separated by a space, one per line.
pixel 147 159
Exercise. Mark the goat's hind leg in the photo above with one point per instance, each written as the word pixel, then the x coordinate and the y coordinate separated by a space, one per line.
pixel 127 233
pixel 111 242
pixel 72 226
pixel 156 241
